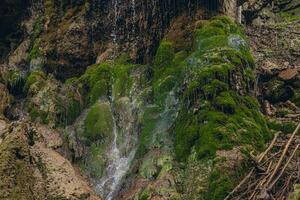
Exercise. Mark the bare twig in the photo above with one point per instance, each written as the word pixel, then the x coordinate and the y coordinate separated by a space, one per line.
pixel 240 184
pixel 283 169
pixel 261 157
pixel 283 154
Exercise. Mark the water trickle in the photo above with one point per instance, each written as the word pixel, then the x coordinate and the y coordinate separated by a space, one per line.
pixel 115 4
pixel 119 165
pixel 133 32
pixel 133 8
pixel 120 155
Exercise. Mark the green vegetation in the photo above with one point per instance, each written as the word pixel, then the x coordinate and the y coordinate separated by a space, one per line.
pixel 284 127
pixel 33 78
pixel 223 118
pixel 291 15
pixel 217 111
pixel 35 50
pixel 14 81
pixel 98 123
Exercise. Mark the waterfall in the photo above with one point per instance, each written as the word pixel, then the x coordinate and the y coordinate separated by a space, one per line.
pixel 119 156
pixel 133 8
pixel 115 4
pixel 117 168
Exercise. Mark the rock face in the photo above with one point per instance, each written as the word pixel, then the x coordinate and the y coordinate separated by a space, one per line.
pixel 147 99
pixel 66 37
pixel 31 168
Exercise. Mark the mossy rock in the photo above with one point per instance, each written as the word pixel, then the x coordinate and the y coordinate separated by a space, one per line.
pixel 222 118
pixel 16 172
pixel 94 162
pixel 14 80
pixel 164 55
pixel 36 77
pixel 98 123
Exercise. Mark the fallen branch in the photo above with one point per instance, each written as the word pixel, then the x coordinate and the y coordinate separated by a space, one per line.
pixel 240 184
pixel 283 169
pixel 269 148
pixel 283 154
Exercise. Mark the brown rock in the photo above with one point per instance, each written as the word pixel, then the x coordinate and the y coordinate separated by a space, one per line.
pixel 288 74
pixel 269 68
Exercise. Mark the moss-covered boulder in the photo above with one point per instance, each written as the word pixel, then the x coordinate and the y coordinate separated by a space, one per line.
pixel 218 111
pixel 98 123
pixel 43 100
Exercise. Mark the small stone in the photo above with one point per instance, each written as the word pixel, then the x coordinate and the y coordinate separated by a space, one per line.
pixel 270 68
pixel 288 74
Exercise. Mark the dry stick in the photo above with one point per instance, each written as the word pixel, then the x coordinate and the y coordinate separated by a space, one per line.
pixel 240 184
pixel 283 154
pixel 283 169
pixel 285 187
pixel 252 170
pixel 269 167
pixel 269 148
pixel 260 183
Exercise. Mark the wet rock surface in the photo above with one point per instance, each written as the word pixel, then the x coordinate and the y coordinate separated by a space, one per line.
pixel 146 99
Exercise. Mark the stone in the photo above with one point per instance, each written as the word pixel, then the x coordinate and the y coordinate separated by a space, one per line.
pixel 269 68
pixel 288 74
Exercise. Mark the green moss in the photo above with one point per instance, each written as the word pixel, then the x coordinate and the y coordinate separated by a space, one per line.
pixel 38 115
pixel 218 117
pixel 149 122
pixel 35 51
pixel 122 79
pixel 14 81
pixel 220 185
pixel 34 77
pixel 95 73
pixel 164 55
pixel 72 111
pixel 285 127
pixel 94 162
pixel 291 15
pixel 37 27
pixel 98 123
pixel 100 88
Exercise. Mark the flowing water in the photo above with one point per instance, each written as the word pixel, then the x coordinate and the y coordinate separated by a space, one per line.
pixel 133 8
pixel 120 154
pixel 117 168
pixel 115 4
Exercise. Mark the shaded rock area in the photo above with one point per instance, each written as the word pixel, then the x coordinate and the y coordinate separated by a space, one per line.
pixel 12 14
